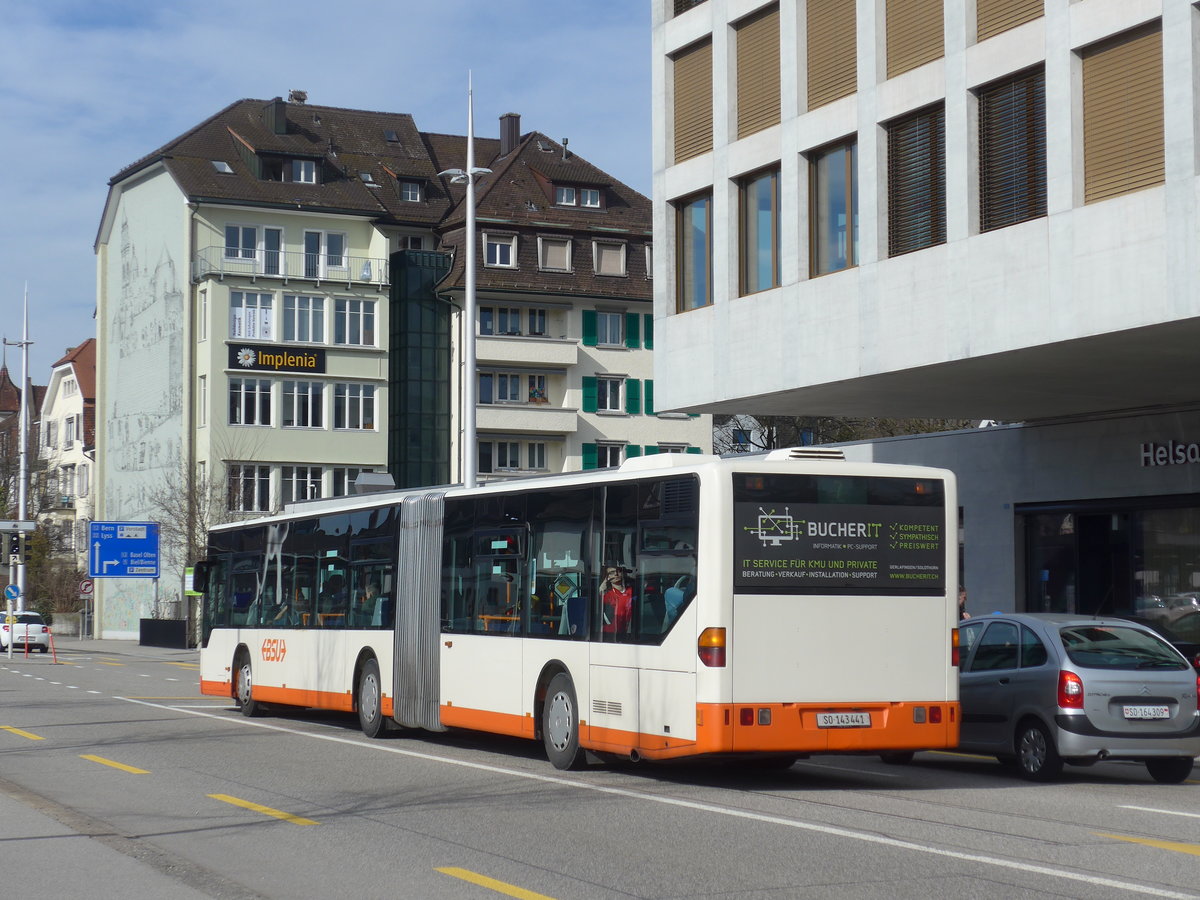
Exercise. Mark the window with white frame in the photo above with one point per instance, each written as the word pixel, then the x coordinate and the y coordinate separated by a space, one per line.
pixel 608 394
pixel 564 196
pixel 354 407
pixel 537 389
pixel 304 319
pixel 202 316
pixel 413 242
pixel 537 455
pixel 610 329
pixel 302 404
pixel 672 448
pixel 70 426
pixel 323 250
pixel 81 480
pixel 500 250
pixel 249 401
pixel 249 487
pixel 410 191
pixel 499 456
pixel 344 478
pixel 609 257
pixel 70 387
pixel 537 321
pixel 649 260
pixel 304 171
pixel 50 434
pixel 554 254
pixel 608 456
pixel 66 482
pixel 202 401
pixel 499 387
pixel 301 483
pixel 499 320
pixel 354 323
pixel 241 242
pixel 251 316
pixel 589 198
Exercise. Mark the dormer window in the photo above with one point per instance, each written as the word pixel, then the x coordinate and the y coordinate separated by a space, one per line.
pixel 410 191
pixel 304 171
pixel 564 196
pixel 589 198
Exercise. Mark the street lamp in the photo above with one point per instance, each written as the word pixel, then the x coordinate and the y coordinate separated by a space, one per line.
pixel 468 177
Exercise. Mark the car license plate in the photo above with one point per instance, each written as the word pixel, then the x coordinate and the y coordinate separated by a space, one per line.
pixel 1146 712
pixel 844 720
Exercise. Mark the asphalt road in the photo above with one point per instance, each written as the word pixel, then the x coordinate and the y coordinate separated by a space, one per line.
pixel 117 779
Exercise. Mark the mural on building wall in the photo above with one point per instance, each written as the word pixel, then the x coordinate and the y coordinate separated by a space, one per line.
pixel 143 410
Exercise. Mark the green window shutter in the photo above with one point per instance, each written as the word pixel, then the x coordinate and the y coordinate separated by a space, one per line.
pixel 648 408
pixel 633 335
pixel 632 450
pixel 648 342
pixel 633 396
pixel 693 449
pixel 589 393
pixel 589 328
pixel 589 456
pixel 651 449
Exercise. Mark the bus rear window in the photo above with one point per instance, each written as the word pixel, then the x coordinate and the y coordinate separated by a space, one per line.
pixel 838 534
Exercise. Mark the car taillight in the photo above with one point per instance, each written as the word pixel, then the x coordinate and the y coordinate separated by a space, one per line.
pixel 45 630
pixel 1198 692
pixel 954 655
pixel 711 647
pixel 1070 690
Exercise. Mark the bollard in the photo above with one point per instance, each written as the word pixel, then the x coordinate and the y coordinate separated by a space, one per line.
pixel 53 652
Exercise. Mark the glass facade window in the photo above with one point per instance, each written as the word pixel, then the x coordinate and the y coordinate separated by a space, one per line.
pixel 834 213
pixel 693 235
pixel 304 319
pixel 354 407
pixel 759 249
pixel 354 323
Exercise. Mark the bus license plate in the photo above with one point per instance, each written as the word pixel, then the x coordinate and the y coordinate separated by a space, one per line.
pixel 844 720
pixel 1147 712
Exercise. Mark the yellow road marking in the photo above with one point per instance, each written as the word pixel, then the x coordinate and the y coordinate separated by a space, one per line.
pixel 116 765
pixel 265 810
pixel 184 665
pixel 499 887
pixel 1193 849
pixel 105 662
pixel 24 734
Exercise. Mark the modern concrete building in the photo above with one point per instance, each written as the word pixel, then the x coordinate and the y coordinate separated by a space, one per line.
pixel 983 209
pixel 277 316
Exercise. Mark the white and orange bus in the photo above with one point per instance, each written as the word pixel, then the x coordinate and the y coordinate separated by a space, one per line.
pixel 770 607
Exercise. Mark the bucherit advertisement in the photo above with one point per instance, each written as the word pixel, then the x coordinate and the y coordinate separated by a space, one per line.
pixel 859 549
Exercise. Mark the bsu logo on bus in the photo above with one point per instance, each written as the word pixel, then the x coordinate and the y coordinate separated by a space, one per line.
pixel 274 649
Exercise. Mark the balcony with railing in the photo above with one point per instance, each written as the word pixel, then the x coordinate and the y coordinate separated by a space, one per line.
pixel 532 417
pixel 285 266
pixel 527 349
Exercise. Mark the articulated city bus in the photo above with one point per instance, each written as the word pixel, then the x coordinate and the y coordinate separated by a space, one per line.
pixel 769 606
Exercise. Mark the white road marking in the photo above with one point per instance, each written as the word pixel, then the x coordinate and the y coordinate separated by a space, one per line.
pixel 866 837
pixel 1165 812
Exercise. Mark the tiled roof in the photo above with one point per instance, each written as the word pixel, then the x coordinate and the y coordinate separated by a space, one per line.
pixel 83 362
pixel 518 196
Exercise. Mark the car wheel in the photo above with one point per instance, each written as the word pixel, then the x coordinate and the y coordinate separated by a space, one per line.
pixel 370 700
pixel 244 688
pixel 1170 770
pixel 1037 756
pixel 897 757
pixel 560 724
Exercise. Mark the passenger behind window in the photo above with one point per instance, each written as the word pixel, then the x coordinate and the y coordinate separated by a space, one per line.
pixel 616 599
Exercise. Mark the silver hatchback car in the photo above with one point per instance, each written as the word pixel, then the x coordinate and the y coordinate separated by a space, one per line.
pixel 1041 689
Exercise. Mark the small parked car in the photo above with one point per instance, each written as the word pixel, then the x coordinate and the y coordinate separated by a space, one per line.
pixel 29 630
pixel 1042 689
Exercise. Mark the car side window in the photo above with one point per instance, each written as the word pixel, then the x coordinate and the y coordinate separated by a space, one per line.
pixel 968 634
pixel 997 648
pixel 1033 651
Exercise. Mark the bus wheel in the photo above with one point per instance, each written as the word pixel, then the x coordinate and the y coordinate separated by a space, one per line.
pixel 370 695
pixel 243 689
pixel 560 724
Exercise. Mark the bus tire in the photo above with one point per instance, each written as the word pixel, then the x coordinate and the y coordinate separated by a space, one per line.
pixel 560 724
pixel 243 688
pixel 370 700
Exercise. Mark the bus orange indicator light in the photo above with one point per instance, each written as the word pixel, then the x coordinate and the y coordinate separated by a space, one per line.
pixel 954 651
pixel 711 647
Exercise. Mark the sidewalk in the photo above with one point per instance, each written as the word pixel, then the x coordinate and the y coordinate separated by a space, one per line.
pixel 74 646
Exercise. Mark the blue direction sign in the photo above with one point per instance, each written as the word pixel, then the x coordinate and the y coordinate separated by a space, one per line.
pixel 12 592
pixel 123 550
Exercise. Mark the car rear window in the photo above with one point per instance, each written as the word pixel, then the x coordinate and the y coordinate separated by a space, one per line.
pixel 29 618
pixel 1118 647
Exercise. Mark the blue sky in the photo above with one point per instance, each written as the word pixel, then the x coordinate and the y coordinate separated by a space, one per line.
pixel 87 88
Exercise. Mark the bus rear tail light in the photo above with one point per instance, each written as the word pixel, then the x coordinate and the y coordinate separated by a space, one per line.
pixel 935 715
pixel 954 651
pixel 711 647
pixel 1070 690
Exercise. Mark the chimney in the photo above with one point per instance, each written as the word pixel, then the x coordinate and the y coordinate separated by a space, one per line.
pixel 277 116
pixel 510 132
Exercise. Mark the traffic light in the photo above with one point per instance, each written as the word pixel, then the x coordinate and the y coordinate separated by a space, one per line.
pixel 15 548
